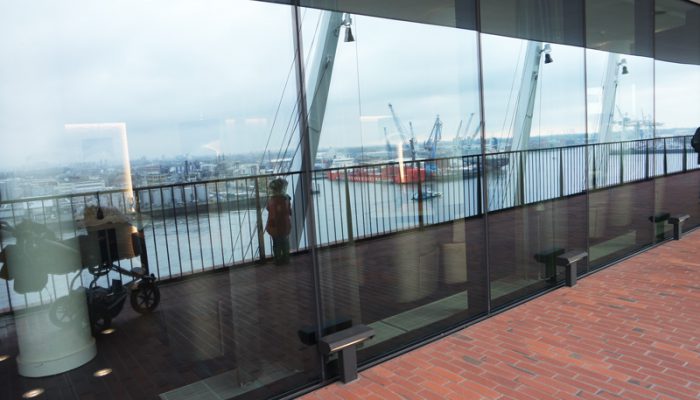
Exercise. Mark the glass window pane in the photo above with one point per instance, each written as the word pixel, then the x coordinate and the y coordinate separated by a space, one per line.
pixel 677 105
pixel 145 135
pixel 620 26
pixel 677 31
pixel 450 13
pixel 556 21
pixel 535 123
pixel 398 222
pixel 621 154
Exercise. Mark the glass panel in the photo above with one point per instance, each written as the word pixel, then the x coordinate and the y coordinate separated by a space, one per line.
pixel 449 13
pixel 397 205
pixel 145 135
pixel 555 21
pixel 620 26
pixel 677 105
pixel 621 154
pixel 677 31
pixel 535 114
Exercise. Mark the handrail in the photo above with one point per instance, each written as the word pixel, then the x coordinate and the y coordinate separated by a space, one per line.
pixel 190 231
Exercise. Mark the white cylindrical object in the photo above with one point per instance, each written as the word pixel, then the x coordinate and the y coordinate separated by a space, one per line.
pixel 47 349
pixel 52 338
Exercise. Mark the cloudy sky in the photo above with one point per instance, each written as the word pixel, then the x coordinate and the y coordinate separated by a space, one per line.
pixel 198 77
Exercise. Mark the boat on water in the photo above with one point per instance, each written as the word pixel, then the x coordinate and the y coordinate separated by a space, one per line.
pixel 426 195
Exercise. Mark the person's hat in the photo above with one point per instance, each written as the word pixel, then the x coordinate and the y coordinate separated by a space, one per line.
pixel 278 185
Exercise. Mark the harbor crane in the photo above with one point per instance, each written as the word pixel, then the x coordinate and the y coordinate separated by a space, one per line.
pixel 615 68
pixel 402 132
pixel 389 150
pixel 319 80
pixel 523 114
pixel 432 143
pixel 435 136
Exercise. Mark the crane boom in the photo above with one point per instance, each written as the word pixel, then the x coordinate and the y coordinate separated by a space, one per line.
pixel 397 123
pixel 435 137
pixel 523 117
pixel 388 143
pixel 319 85
pixel 402 132
pixel 459 129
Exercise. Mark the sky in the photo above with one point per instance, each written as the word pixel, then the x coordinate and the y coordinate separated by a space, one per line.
pixel 217 76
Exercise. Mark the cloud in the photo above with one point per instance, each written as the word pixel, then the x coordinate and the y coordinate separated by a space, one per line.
pixel 156 65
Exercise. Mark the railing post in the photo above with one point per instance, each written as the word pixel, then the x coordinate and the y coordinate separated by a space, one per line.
pixel 521 180
pixel 258 215
pixel 594 172
pixel 137 202
pixel 685 156
pixel 646 160
pixel 665 159
pixel 561 172
pixel 622 166
pixel 348 208
pixel 479 205
pixel 420 198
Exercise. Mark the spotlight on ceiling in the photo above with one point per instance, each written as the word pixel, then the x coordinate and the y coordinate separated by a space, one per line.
pixel 348 35
pixel 547 50
pixel 623 63
pixel 347 22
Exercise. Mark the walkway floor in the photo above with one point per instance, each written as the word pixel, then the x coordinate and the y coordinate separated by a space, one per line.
pixel 631 331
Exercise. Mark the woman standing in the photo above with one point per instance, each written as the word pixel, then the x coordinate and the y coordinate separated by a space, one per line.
pixel 279 221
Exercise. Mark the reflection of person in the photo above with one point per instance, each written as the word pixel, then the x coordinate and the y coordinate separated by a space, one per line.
pixel 279 222
pixel 695 142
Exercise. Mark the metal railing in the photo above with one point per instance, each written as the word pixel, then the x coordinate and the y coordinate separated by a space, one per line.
pixel 198 226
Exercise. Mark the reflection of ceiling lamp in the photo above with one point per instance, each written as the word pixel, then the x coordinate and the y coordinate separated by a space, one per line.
pixel 623 64
pixel 347 21
pixel 33 393
pixel 547 50
pixel 102 372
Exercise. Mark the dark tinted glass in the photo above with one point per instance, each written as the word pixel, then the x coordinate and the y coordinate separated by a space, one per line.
pixel 620 26
pixel 399 225
pixel 452 13
pixel 152 136
pixel 557 21
pixel 677 29
pixel 534 102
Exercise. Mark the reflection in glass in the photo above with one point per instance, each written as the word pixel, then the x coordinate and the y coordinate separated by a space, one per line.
pixel 533 99
pixel 621 120
pixel 206 95
pixel 397 163
pixel 677 101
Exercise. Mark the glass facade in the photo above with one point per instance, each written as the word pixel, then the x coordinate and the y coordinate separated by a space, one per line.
pixel 193 193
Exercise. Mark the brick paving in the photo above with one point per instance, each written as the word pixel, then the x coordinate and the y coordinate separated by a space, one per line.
pixel 631 331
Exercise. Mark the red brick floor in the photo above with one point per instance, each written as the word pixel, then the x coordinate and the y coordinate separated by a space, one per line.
pixel 631 331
